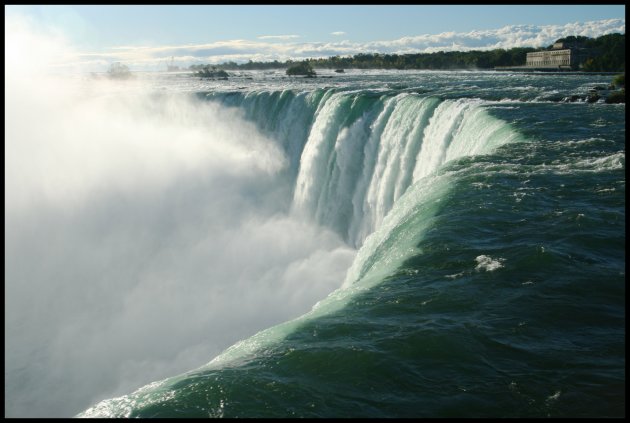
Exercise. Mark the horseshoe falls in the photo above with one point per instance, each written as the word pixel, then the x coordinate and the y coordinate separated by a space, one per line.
pixel 367 244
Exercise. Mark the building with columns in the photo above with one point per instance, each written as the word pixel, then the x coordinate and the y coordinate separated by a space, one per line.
pixel 557 59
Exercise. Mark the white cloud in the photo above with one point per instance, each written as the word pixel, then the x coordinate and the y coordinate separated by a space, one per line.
pixel 338 33
pixel 506 37
pixel 278 37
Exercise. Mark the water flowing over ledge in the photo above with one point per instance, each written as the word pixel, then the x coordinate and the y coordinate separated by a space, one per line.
pixel 366 165
pixel 354 154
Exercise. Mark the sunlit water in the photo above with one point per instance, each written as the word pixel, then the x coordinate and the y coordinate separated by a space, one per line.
pixel 370 244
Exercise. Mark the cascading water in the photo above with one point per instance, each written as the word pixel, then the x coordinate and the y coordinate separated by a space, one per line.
pixel 370 170
pixel 355 154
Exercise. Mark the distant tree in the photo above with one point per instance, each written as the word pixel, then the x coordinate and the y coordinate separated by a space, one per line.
pixel 301 68
pixel 118 71
pixel 620 81
pixel 605 54
pixel 571 40
pixel 208 71
pixel 617 96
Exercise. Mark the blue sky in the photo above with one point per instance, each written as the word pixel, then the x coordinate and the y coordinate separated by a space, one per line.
pixel 145 35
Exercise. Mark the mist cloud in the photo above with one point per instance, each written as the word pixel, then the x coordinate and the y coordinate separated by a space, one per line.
pixel 145 233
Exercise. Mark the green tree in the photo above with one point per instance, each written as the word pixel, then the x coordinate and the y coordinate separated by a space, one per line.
pixel 118 71
pixel 301 68
pixel 620 81
pixel 211 71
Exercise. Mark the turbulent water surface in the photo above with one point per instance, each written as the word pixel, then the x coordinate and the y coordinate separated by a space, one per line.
pixel 380 244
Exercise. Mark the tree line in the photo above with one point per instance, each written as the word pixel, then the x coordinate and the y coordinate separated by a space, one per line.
pixel 607 53
pixel 602 54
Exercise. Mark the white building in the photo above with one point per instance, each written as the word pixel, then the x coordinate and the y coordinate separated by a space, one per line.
pixel 551 59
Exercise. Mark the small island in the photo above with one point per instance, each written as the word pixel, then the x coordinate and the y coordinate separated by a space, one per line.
pixel 209 71
pixel 301 68
pixel 619 85
pixel 118 71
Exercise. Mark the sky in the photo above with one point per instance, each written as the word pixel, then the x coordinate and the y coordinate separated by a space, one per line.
pixel 146 37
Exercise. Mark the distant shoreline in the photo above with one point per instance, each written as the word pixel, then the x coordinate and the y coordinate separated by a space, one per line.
pixel 556 72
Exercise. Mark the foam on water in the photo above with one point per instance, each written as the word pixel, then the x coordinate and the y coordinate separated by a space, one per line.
pixel 488 263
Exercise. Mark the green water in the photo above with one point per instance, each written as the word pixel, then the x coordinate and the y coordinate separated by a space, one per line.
pixel 492 286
